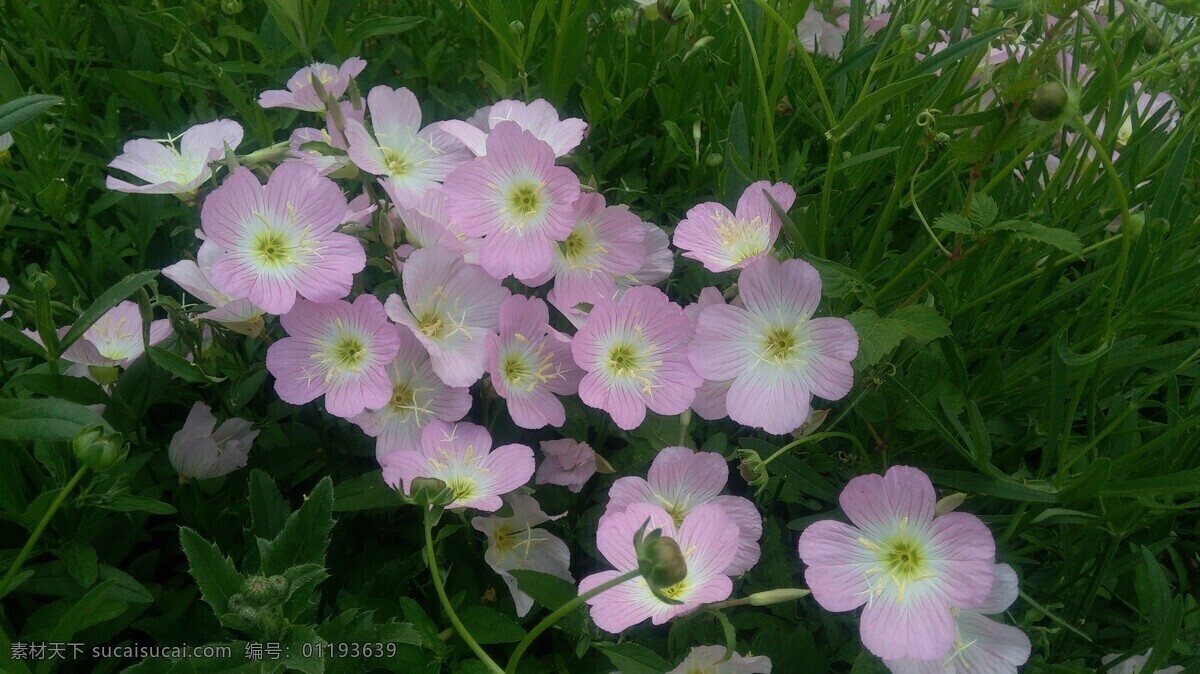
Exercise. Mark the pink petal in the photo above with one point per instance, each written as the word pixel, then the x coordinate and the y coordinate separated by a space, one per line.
pixel 876 503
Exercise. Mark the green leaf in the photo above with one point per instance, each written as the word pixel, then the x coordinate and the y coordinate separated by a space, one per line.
pixel 1088 484
pixel 63 619
pixel 1172 179
pixel 74 389
pixel 21 340
pixel 383 25
pixel 955 53
pixel 990 486
pixel 983 210
pixel 80 560
pixel 305 535
pixel 865 157
pixel 490 626
pixel 631 658
pixel 365 492
pixel 107 300
pixel 873 100
pixel 45 419
pixel 16 113
pixel 1183 482
pixel 1059 238
pixel 923 323
pixel 953 222
pixel 838 280
pixel 128 503
pixel 214 573
pixel 268 510
pixel 878 336
pixel 178 366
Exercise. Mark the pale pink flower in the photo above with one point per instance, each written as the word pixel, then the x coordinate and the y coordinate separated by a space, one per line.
pixel 910 568
pixel 236 313
pixel 710 397
pixel 515 544
pixel 300 94
pixel 819 35
pixel 605 241
pixel 567 463
pixel 722 240
pixel 632 350
pixel 529 365
pixel 711 660
pixel 1134 664
pixel 426 224
pixel 516 199
pixel 411 160
pixel 981 645
pixel 279 240
pixel 4 288
pixel 451 307
pixel 324 163
pixel 418 397
pixel 708 540
pixel 167 170
pixel 115 339
pixel 681 480
pixel 199 452
pixel 539 118
pixel 461 455
pixel 773 349
pixel 659 262
pixel 336 349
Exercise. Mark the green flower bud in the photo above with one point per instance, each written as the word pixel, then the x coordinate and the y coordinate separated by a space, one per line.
pixel 674 11
pixel 880 127
pixel 1160 227
pixel 1152 43
pixel 622 14
pixel 1049 101
pixel 516 27
pixel 751 468
pixel 41 282
pixel 908 32
pixel 430 491
pixel 714 159
pixel 231 7
pixel 99 449
pixel 667 565
pixel 777 596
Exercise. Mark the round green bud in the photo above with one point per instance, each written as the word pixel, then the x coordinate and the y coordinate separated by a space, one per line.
pixel 256 591
pixel 880 127
pixel 516 27
pixel 667 564
pixel 41 282
pixel 231 7
pixel 1049 101
pixel 909 32
pixel 99 449
pixel 1152 43
pixel 714 159
pixel 622 14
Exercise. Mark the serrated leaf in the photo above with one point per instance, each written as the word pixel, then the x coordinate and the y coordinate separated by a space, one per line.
pixel 1059 238
pixel 983 210
pixel 953 222
pixel 921 322
pixel 305 536
pixel 879 336
pixel 268 510
pixel 215 574
pixel 179 366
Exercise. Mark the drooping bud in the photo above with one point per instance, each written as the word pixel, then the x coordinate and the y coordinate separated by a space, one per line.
pixel 667 564
pixel 1049 101
pixel 98 448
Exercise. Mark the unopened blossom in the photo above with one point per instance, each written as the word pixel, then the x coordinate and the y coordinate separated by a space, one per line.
pixel 1135 664
pixel 539 118
pixel 710 397
pixel 451 307
pixel 711 660
pixel 461 455
pixel 681 480
pixel 605 241
pixel 278 240
pixel 418 397
pixel 165 169
pixel 821 36
pixel 530 364
pixel 115 339
pixel 300 93
pixel 320 159
pixel 236 313
pixel 4 288
pixel 632 351
pixel 410 160
pixel 722 240
pixel 708 541
pixel 980 644
pixel 567 463
pixel 516 199
pixel 515 543
pixel 908 568
pixel 199 452
pixel 335 349
pixel 777 354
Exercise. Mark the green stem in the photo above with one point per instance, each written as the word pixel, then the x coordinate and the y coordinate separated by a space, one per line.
pixel 431 559
pixel 37 531
pixel 1126 235
pixel 802 52
pixel 835 148
pixel 562 611
pixel 768 114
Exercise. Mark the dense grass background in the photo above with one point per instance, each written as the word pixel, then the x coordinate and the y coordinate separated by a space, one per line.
pixel 1048 373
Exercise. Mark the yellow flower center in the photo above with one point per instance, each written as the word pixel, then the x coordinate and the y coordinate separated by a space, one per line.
pixel 271 249
pixel 525 199
pixel 396 164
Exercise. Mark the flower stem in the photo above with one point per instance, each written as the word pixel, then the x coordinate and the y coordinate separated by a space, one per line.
pixel 562 611
pixel 431 559
pixel 37 531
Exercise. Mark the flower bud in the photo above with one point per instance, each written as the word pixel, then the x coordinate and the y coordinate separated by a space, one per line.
pixel 908 32
pixel 264 590
pixel 430 491
pixel 777 596
pixel 231 7
pixel 622 14
pixel 667 565
pixel 1049 101
pixel 1152 43
pixel 41 282
pixel 516 27
pixel 714 159
pixel 674 11
pixel 98 449
pixel 752 469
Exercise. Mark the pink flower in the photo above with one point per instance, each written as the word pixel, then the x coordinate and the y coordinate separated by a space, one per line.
pixel 115 339
pixel 426 224
pixel 604 242
pixel 775 352
pixel 710 397
pixel 819 35
pixel 908 567
pixel 708 540
pixel 632 352
pixel 461 455
pixel 169 171
pixel 4 288
pixel 723 240
pixel 711 660
pixel 529 365
pixel 516 199
pixel 515 544
pixel 300 94
pixel 539 118
pixel 238 314
pixel 681 480
pixel 411 160
pixel 324 163
pixel 418 397
pixel 567 463
pixel 279 240
pixel 336 349
pixel 1134 665
pixel 660 261
pixel 982 645
pixel 198 452
pixel 451 307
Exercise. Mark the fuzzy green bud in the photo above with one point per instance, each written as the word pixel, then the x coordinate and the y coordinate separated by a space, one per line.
pixel 516 27
pixel 1049 101
pixel 99 449
pixel 264 590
